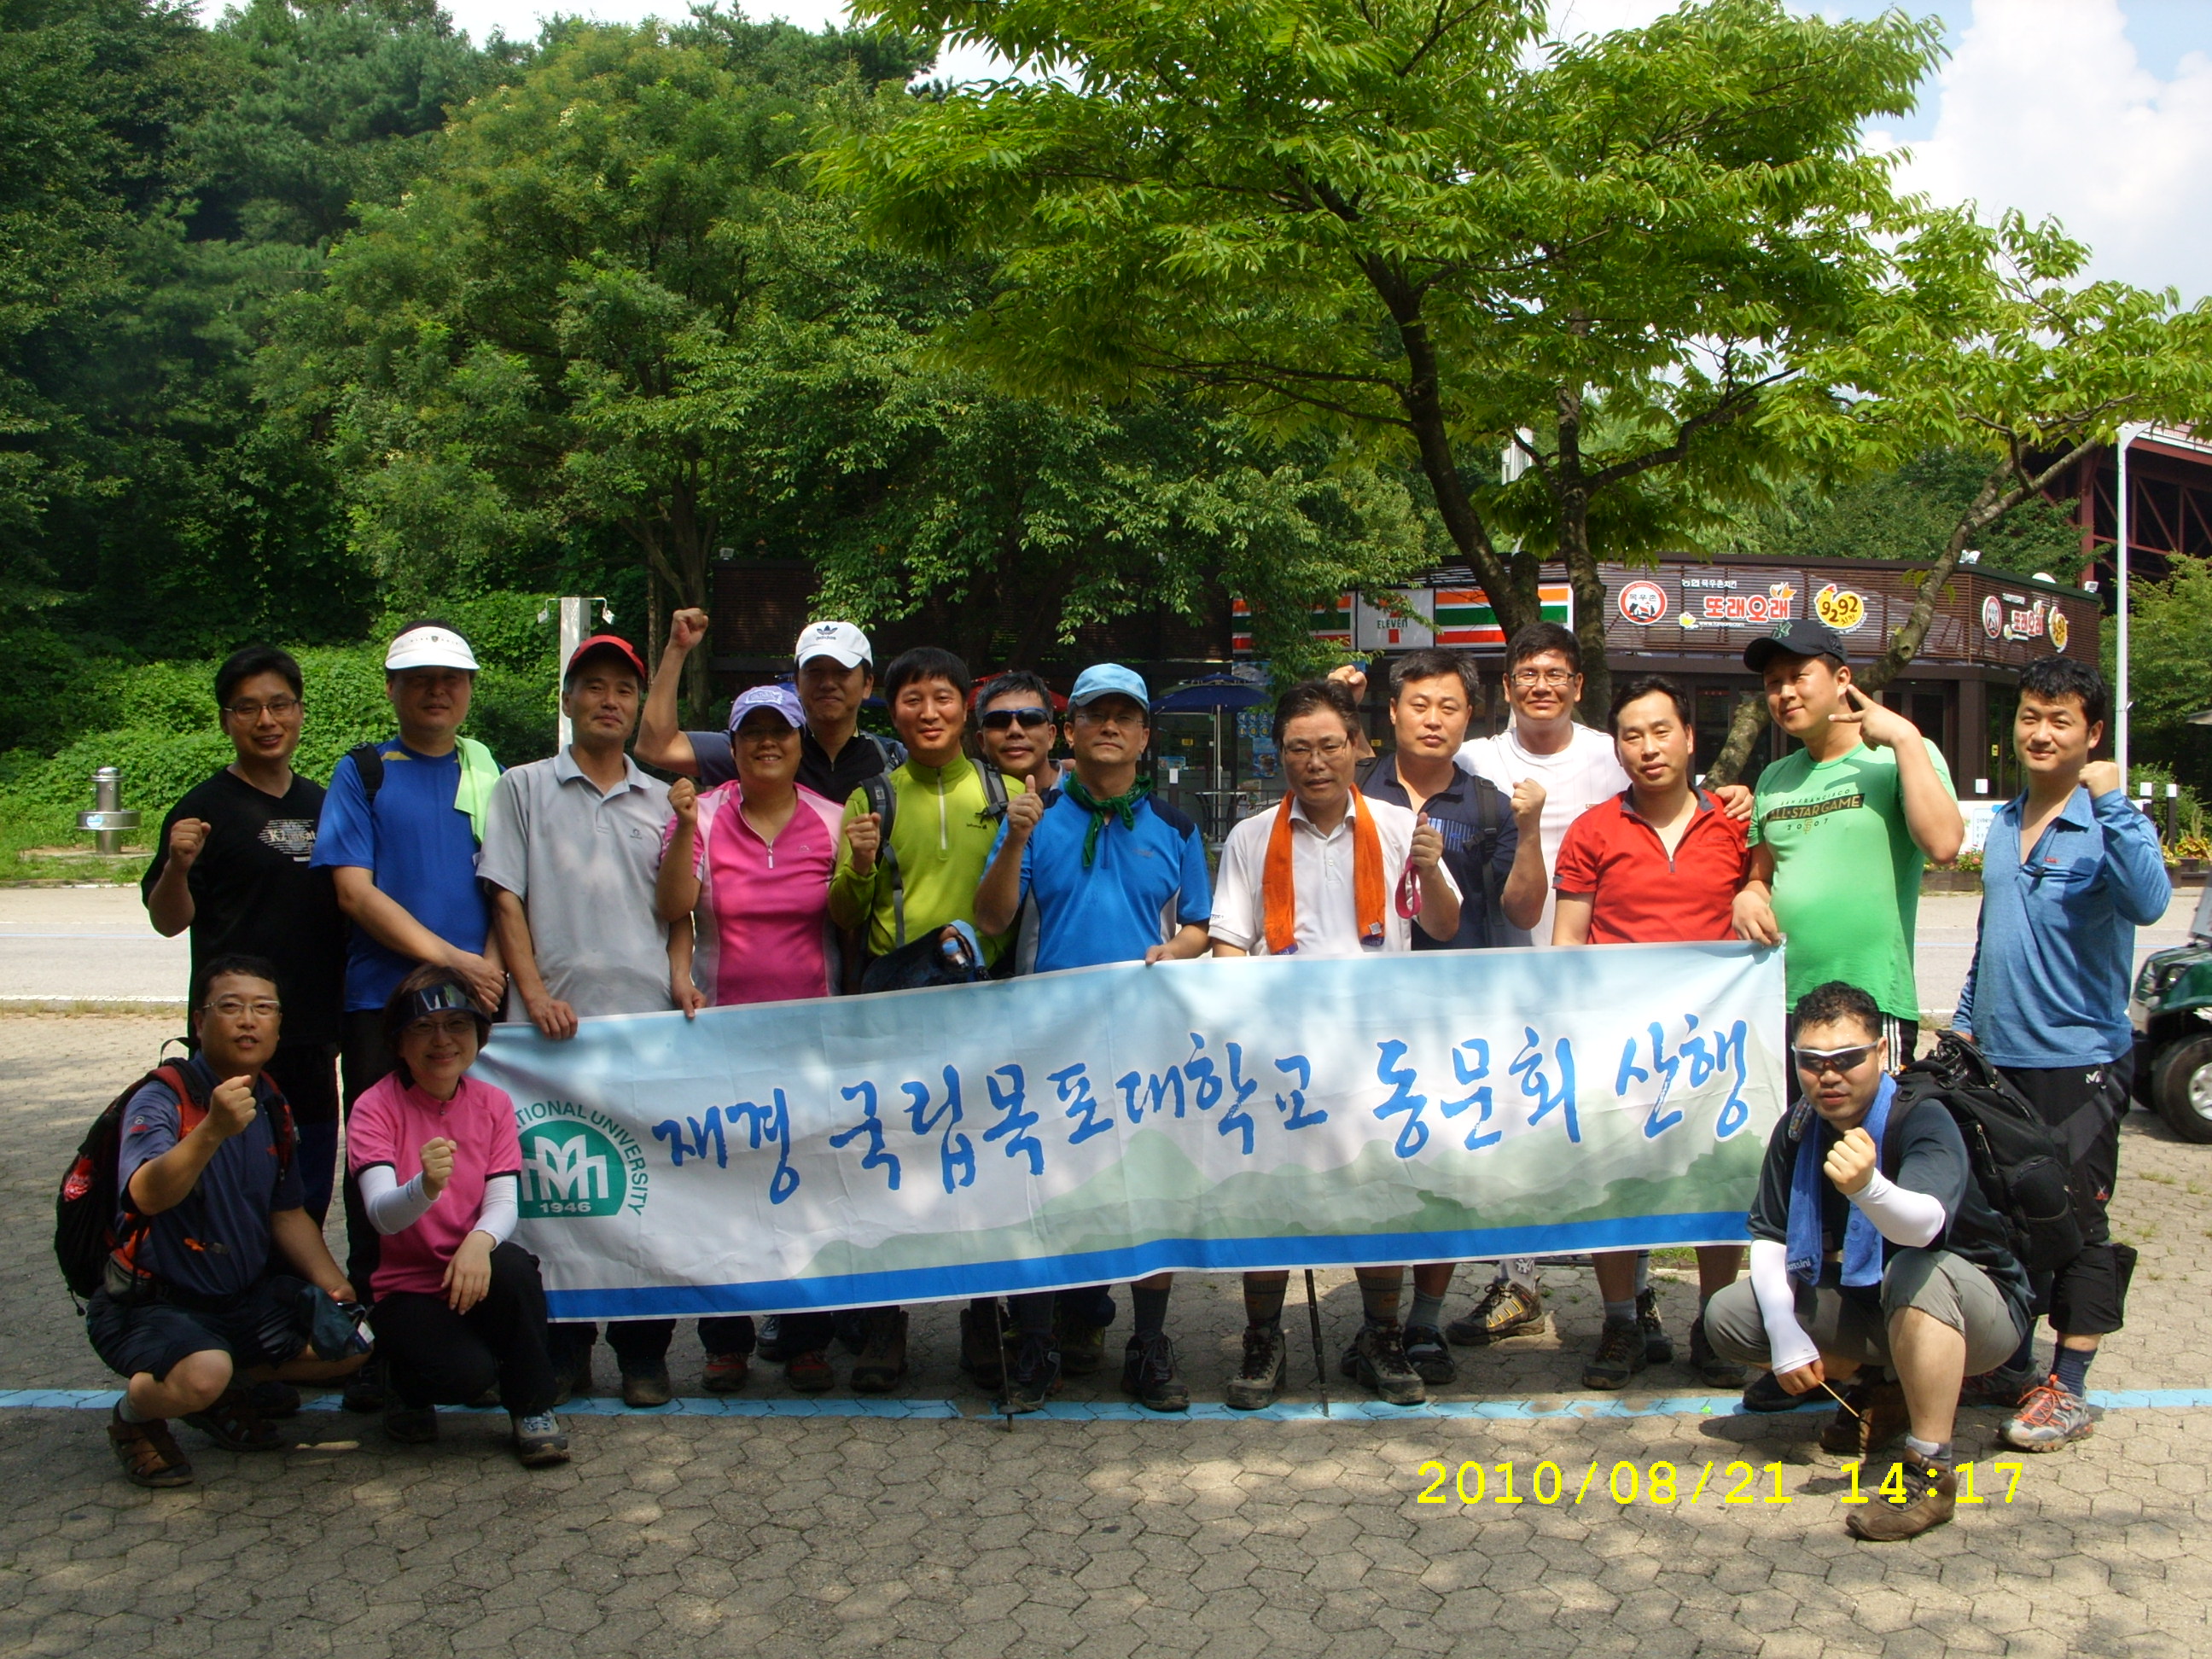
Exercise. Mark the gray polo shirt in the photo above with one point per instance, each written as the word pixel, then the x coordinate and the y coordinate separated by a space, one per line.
pixel 583 865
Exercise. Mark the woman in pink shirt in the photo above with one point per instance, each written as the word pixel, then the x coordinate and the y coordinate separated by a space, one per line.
pixel 459 1310
pixel 748 861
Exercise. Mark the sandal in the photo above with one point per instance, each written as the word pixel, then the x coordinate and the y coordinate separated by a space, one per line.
pixel 234 1424
pixel 149 1453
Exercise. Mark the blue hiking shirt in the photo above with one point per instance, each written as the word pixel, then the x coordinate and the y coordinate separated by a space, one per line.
pixel 2049 986
pixel 1143 885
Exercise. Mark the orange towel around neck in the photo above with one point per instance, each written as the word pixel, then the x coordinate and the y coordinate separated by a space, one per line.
pixel 1279 889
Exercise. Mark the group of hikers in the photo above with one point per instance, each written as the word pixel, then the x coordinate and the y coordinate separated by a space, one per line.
pixel 353 945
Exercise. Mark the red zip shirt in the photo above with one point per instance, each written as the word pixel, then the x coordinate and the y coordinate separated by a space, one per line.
pixel 1612 856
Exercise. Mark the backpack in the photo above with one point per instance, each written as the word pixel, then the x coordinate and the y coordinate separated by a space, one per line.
pixel 2020 1162
pixel 85 1237
pixel 883 801
pixel 368 760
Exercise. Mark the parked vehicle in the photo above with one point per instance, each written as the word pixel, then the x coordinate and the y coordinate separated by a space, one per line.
pixel 2173 1014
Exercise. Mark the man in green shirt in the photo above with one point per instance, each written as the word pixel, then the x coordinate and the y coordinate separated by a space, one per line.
pixel 1840 829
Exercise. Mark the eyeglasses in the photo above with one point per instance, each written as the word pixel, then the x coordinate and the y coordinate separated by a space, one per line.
pixel 452 1026
pixel 282 707
pixel 1091 715
pixel 1813 1061
pixel 1327 749
pixel 1543 677
pixel 1002 720
pixel 259 1007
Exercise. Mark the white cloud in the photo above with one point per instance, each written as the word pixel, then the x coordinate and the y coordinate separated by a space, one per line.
pixel 2046 107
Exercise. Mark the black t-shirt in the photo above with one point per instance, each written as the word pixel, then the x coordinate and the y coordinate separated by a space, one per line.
pixel 1457 813
pixel 1922 1152
pixel 252 893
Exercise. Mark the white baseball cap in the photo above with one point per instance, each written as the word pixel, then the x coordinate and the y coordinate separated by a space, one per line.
pixel 429 647
pixel 839 641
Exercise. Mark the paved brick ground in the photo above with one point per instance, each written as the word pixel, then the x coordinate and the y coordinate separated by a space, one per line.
pixel 717 1535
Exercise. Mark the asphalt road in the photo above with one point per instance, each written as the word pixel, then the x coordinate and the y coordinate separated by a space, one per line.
pixel 93 944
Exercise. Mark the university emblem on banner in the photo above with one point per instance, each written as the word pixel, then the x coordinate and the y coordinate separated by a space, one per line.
pixel 577 1161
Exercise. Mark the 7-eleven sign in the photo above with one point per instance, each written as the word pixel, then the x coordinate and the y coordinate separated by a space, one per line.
pixel 1464 617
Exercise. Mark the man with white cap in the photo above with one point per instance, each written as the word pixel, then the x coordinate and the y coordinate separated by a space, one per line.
pixel 399 829
pixel 836 673
pixel 570 856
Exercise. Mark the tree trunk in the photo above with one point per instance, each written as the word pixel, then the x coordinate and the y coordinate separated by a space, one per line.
pixel 2009 485
pixel 1571 492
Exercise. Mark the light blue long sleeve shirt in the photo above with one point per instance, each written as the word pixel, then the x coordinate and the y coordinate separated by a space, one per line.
pixel 2049 986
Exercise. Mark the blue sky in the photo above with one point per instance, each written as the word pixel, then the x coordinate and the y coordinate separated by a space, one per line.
pixel 2096 112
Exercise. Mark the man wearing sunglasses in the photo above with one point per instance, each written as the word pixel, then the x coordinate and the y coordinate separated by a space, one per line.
pixel 1872 1247
pixel 1014 728
pixel 1115 876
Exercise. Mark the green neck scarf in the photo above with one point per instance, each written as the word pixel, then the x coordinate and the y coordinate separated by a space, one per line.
pixel 1121 807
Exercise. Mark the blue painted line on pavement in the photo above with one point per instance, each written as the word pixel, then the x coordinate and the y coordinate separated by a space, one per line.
pixel 1347 1410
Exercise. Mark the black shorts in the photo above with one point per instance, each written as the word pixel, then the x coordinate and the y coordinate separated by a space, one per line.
pixel 265 1324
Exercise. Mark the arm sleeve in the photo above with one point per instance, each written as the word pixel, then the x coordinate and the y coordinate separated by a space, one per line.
pixel 1788 1347
pixel 392 1208
pixel 852 896
pixel 1234 920
pixel 1508 848
pixel 1195 900
pixel 1574 871
pixel 501 1208
pixel 2141 888
pixel 150 1129
pixel 504 860
pixel 1899 1215
pixel 711 749
pixel 345 834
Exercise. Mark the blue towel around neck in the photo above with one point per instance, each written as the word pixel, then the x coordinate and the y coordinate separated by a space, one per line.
pixel 1809 1187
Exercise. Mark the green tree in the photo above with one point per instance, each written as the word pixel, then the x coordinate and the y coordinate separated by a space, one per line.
pixel 2169 679
pixel 1402 220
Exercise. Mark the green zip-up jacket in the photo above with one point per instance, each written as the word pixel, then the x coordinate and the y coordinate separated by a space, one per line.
pixel 943 835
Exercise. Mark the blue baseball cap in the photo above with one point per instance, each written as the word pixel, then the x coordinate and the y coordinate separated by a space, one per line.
pixel 1109 679
pixel 781 698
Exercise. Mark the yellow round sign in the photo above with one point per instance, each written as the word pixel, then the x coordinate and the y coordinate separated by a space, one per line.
pixel 1840 608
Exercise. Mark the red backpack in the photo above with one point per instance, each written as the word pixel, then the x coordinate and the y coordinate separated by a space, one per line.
pixel 85 1235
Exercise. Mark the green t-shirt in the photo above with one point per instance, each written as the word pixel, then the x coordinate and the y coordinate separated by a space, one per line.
pixel 1846 871
pixel 943 833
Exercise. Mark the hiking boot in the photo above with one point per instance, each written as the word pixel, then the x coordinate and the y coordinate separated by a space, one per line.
pixel 1425 1352
pixel 2005 1388
pixel 648 1385
pixel 1619 1355
pixel 769 1348
pixel 233 1424
pixel 1721 1373
pixel 1877 1416
pixel 1929 1489
pixel 1764 1393
pixel 982 1353
pixel 882 1365
pixel 149 1453
pixel 726 1373
pixel 1034 1376
pixel 410 1425
pixel 1148 1372
pixel 2050 1416
pixel 539 1440
pixel 809 1372
pixel 1082 1343
pixel 1506 1309
pixel 1376 1360
pixel 1658 1346
pixel 274 1399
pixel 1266 1353
pixel 572 1365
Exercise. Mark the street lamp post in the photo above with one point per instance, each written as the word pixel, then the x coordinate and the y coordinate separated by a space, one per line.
pixel 2129 431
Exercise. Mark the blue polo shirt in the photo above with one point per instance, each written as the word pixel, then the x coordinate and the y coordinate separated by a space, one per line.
pixel 1143 884
pixel 422 850
pixel 2049 986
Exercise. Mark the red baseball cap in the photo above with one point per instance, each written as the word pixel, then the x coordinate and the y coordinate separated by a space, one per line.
pixel 599 642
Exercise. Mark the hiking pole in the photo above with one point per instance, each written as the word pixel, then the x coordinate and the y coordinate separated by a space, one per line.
pixel 1006 1371
pixel 1321 1367
pixel 1840 1400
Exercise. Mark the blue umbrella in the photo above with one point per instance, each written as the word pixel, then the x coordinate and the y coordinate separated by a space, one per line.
pixel 1214 692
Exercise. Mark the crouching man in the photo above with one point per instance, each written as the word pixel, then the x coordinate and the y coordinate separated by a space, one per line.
pixel 1872 1248
pixel 198 1302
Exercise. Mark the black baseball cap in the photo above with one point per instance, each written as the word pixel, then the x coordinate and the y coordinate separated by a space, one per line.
pixel 1801 637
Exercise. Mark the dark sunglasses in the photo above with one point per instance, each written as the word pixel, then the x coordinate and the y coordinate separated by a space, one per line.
pixel 1002 720
pixel 1813 1061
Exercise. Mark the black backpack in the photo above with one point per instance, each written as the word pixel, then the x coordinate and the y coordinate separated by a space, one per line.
pixel 883 801
pixel 2020 1162
pixel 85 1237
